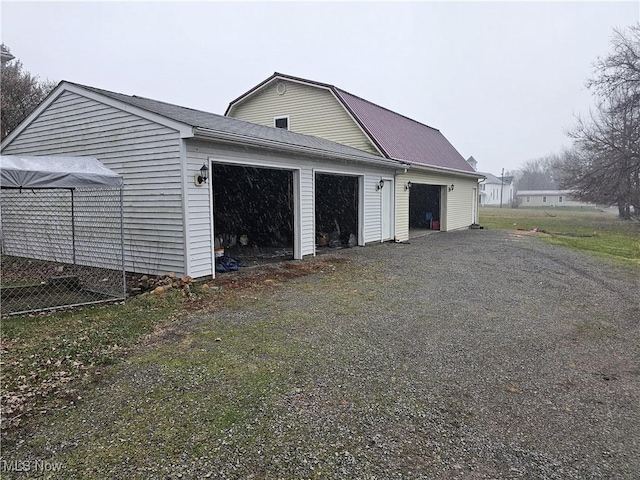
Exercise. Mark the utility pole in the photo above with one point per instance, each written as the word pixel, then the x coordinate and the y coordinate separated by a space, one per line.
pixel 501 186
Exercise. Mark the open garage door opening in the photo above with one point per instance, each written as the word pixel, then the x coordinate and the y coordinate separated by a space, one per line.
pixel 424 209
pixel 336 201
pixel 253 211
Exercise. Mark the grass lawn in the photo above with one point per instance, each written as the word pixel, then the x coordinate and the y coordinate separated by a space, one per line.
pixel 48 359
pixel 593 231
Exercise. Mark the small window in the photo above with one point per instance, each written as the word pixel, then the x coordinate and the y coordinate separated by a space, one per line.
pixel 544 199
pixel 281 122
pixel 528 199
pixel 560 199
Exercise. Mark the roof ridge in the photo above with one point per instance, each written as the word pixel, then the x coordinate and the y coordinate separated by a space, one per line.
pixel 144 98
pixel 338 89
pixel 300 79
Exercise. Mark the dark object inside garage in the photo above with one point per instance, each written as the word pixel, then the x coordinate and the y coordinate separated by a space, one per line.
pixel 336 199
pixel 424 207
pixel 253 210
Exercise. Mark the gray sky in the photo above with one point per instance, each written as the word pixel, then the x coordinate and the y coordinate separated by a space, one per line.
pixel 502 81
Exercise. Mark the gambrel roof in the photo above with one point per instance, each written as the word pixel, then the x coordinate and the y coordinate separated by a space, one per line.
pixel 395 136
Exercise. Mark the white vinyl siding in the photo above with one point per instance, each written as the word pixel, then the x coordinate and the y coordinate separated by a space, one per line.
pixel 311 111
pixel 493 197
pixel 199 153
pixel 145 153
pixel 460 203
pixel 456 206
pixel 42 224
pixel 373 209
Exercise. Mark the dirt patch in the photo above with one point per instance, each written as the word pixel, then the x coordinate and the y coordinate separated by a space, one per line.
pixel 261 278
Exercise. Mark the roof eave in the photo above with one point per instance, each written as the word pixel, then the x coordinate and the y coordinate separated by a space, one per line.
pixel 433 168
pixel 248 93
pixel 184 129
pixel 360 123
pixel 275 76
pixel 245 140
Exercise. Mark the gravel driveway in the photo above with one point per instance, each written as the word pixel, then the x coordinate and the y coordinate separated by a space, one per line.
pixel 472 354
pixel 525 355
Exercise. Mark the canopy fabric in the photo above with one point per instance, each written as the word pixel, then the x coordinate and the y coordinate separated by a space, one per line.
pixel 56 172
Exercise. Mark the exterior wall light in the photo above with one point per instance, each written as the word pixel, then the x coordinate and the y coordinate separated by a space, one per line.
pixel 407 186
pixel 202 176
pixel 451 187
pixel 380 185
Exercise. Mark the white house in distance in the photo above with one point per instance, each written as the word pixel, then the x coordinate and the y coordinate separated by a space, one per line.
pixel 548 198
pixel 494 191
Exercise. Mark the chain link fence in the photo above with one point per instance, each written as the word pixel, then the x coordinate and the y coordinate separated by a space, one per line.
pixel 60 247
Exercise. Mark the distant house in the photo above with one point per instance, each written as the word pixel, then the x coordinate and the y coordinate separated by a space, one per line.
pixel 494 190
pixel 437 190
pixel 548 198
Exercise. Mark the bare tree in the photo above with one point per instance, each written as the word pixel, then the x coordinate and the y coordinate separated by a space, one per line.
pixel 538 174
pixel 620 70
pixel 605 164
pixel 20 93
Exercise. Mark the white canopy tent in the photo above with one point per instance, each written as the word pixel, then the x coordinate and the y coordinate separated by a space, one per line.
pixel 56 172
pixel 61 232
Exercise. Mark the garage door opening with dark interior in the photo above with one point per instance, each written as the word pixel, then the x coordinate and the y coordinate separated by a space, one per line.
pixel 253 211
pixel 424 207
pixel 336 205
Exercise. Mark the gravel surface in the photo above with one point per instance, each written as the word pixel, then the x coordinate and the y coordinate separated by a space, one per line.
pixel 472 354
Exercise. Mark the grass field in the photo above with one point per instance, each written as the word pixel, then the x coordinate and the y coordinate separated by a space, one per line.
pixel 48 358
pixel 593 231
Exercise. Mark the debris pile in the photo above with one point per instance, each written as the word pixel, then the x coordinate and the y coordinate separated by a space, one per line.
pixel 160 284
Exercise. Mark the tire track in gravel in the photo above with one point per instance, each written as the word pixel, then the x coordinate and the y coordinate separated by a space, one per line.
pixel 581 272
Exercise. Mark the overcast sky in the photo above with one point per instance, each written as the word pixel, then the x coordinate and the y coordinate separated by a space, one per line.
pixel 502 81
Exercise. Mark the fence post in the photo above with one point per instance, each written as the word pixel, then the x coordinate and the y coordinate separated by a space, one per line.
pixel 73 232
pixel 124 273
